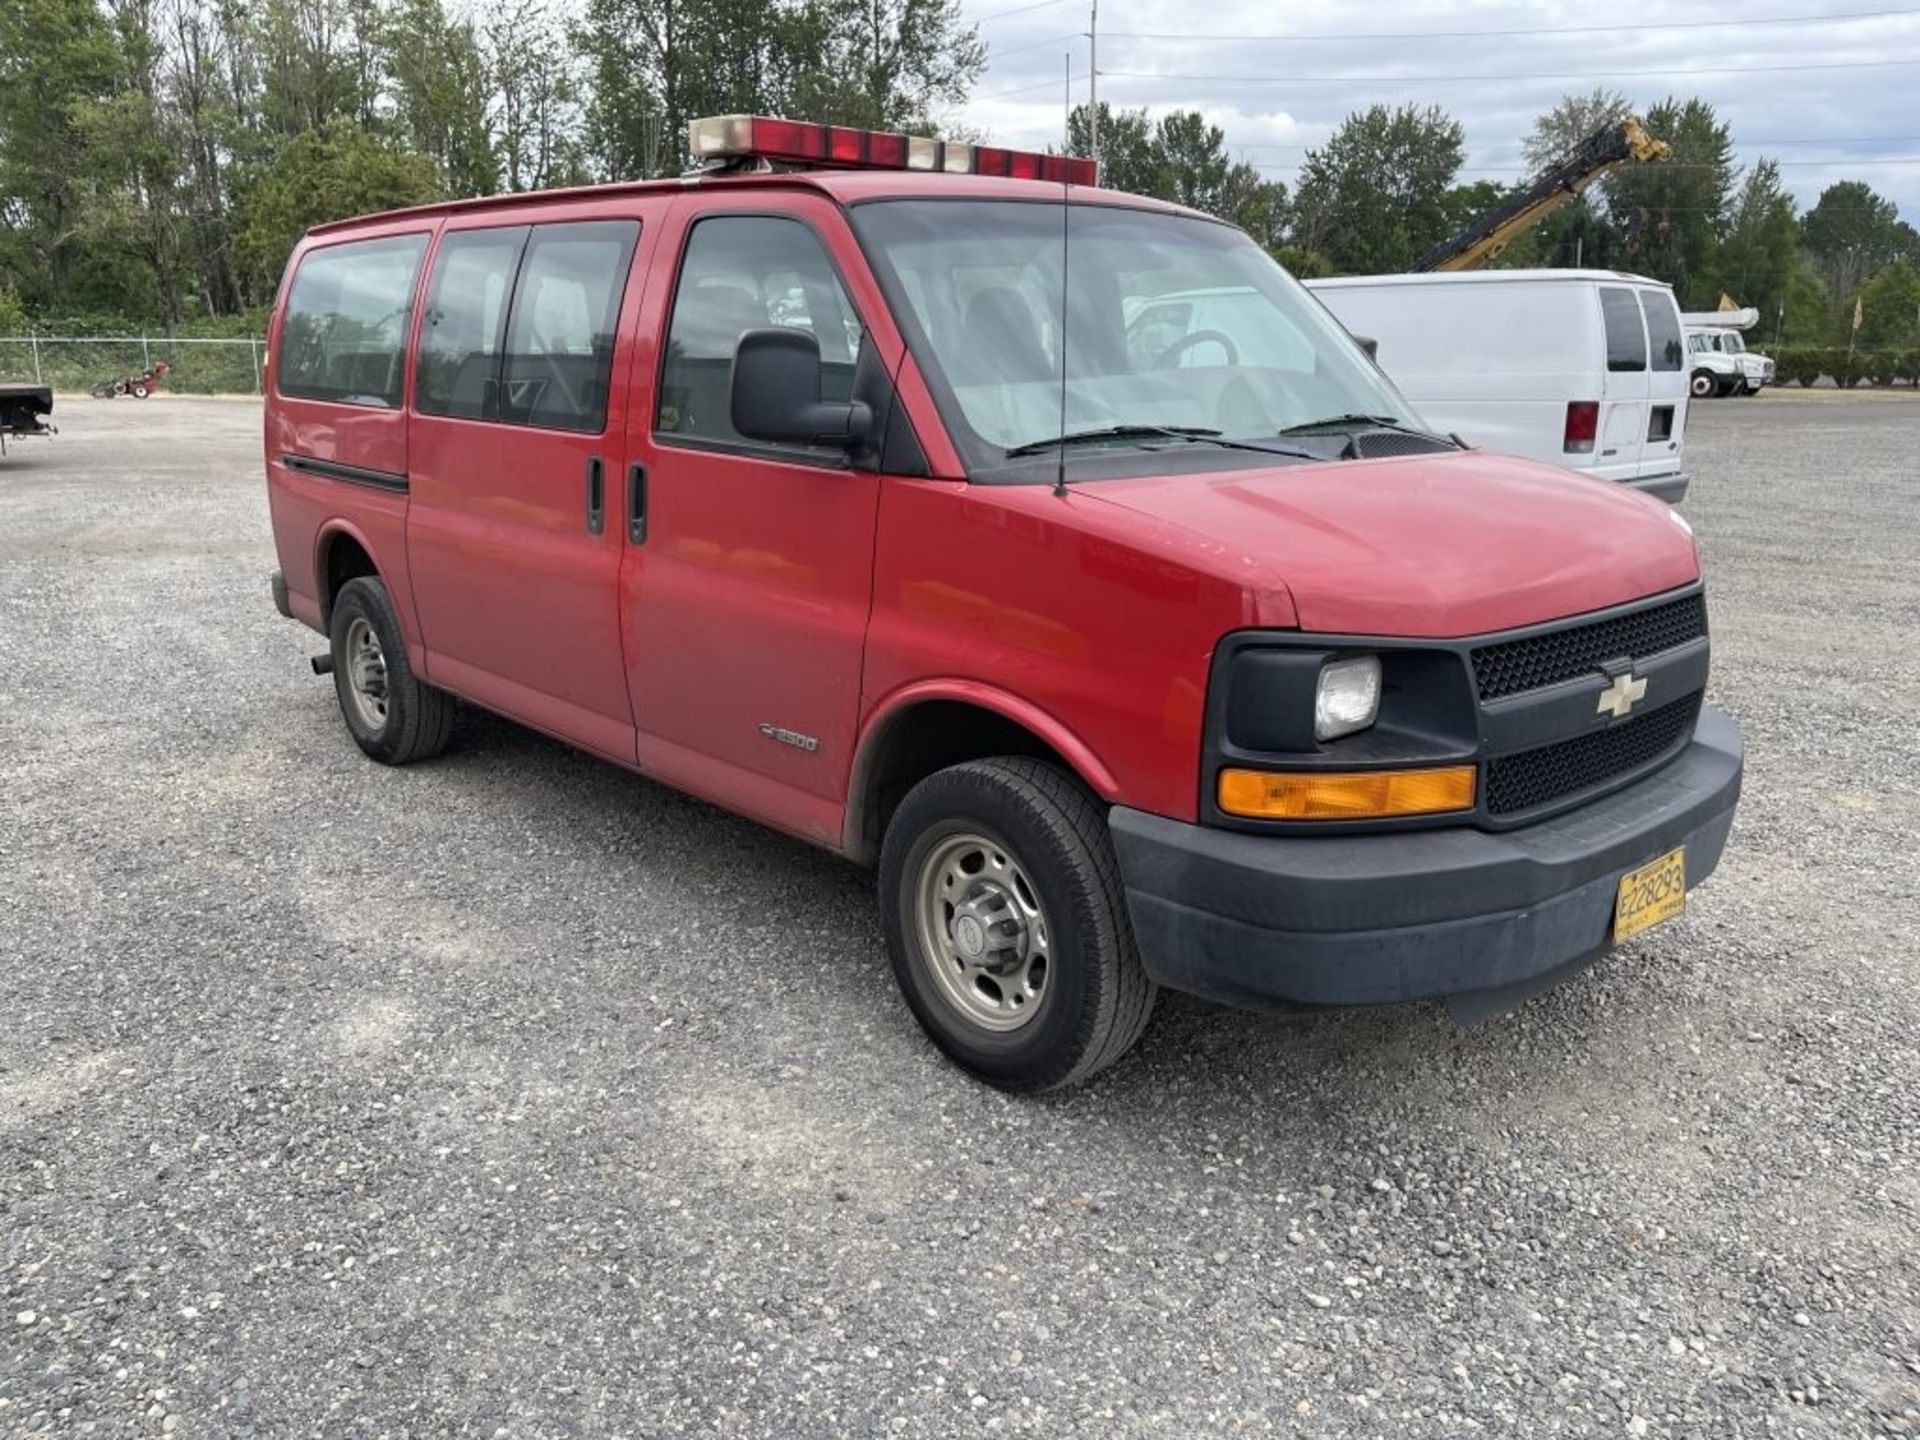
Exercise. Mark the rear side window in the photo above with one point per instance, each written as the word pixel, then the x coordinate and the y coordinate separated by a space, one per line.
pixel 1626 340
pixel 1663 329
pixel 464 320
pixel 345 330
pixel 559 358
pixel 749 273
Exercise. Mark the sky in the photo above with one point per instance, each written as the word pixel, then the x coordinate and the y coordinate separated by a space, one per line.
pixel 1253 68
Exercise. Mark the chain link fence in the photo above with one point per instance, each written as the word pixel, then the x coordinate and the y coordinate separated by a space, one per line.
pixel 196 367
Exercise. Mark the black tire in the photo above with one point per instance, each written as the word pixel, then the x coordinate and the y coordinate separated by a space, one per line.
pixel 1097 998
pixel 1702 384
pixel 415 718
pixel 139 392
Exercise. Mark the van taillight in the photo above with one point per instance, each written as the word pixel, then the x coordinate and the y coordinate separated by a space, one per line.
pixel 1583 425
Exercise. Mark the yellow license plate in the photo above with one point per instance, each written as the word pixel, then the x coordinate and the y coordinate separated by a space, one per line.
pixel 1651 894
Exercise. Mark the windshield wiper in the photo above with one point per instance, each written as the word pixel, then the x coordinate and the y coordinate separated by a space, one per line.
pixel 1116 432
pixel 1199 434
pixel 1356 421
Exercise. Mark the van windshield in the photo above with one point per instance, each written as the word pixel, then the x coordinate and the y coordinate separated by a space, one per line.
pixel 1171 323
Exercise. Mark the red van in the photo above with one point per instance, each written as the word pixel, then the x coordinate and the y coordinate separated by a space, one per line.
pixel 859 485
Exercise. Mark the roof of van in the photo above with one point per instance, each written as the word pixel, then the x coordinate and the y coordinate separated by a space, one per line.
pixel 845 186
pixel 1487 277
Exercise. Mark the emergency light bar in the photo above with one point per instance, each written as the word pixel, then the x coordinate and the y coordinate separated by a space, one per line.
pixel 741 137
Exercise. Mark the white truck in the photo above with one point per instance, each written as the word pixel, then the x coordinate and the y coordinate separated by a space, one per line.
pixel 1718 361
pixel 1584 368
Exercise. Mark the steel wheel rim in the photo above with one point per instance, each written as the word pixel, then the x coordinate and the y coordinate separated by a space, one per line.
pixel 366 674
pixel 983 936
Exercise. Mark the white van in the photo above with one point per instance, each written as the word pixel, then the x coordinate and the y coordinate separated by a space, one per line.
pixel 1584 368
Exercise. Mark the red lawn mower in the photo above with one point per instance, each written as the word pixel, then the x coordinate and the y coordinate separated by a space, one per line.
pixel 138 386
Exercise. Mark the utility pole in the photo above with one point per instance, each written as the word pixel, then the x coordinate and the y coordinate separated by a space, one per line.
pixel 1093 82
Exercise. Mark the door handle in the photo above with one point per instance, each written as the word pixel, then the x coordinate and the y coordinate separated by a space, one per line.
pixel 637 504
pixel 596 495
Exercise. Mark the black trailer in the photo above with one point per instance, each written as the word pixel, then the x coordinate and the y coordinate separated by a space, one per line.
pixel 24 410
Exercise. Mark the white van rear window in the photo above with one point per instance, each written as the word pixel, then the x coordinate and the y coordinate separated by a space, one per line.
pixel 1626 337
pixel 1663 329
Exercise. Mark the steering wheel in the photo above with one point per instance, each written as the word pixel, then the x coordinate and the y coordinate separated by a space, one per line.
pixel 1166 358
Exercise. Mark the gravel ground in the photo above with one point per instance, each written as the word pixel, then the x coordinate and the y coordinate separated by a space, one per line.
pixel 512 1094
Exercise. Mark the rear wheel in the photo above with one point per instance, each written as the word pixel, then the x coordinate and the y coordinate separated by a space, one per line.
pixel 139 392
pixel 1007 924
pixel 1702 384
pixel 392 716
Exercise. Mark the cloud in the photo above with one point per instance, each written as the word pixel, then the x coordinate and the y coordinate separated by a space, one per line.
pixel 1255 70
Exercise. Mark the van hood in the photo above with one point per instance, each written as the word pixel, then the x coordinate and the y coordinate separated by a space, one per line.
pixel 1434 546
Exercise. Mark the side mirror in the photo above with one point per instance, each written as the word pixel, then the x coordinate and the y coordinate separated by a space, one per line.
pixel 1370 345
pixel 775 393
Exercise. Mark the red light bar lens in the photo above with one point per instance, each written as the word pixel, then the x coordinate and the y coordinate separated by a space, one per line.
pixel 846 147
pixel 737 137
pixel 1069 170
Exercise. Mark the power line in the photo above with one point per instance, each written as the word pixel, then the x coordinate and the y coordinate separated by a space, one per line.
pixel 1018 90
pixel 1481 79
pixel 1015 10
pixel 994 52
pixel 1741 143
pixel 1742 23
pixel 1663 165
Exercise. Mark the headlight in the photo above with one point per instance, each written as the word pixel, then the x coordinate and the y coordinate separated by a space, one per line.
pixel 1347 698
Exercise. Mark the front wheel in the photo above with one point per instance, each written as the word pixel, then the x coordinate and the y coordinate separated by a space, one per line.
pixel 1703 384
pixel 392 716
pixel 1007 924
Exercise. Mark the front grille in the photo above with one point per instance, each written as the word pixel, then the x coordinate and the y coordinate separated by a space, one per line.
pixel 1509 667
pixel 1532 778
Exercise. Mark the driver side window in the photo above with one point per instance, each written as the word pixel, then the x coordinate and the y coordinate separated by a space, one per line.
pixel 741 273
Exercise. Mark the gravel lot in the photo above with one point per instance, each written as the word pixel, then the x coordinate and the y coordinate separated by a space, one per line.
pixel 512 1094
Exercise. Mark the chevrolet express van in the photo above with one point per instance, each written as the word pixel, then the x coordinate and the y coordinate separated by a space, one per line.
pixel 1581 368
pixel 829 484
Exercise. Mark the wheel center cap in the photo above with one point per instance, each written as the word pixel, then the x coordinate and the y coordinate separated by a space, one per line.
pixel 969 937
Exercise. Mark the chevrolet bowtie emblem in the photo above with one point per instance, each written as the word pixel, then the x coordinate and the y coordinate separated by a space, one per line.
pixel 1625 692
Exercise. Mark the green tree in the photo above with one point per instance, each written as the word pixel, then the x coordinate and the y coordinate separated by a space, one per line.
pixel 1130 157
pixel 536 106
pixel 1183 159
pixel 1570 121
pixel 889 64
pixel 1303 264
pixel 321 176
pixel 1583 231
pixel 1672 213
pixel 1374 198
pixel 1851 232
pixel 440 88
pixel 59 60
pixel 1890 308
pixel 655 64
pixel 1804 314
pixel 1760 250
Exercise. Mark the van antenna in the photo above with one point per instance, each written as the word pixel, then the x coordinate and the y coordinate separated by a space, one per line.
pixel 1066 213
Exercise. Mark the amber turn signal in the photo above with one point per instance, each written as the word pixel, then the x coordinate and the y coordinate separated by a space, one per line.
pixel 1346 795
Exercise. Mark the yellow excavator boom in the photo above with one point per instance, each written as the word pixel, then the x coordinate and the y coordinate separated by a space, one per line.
pixel 1593 157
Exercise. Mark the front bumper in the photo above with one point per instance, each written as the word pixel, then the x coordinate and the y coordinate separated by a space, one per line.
pixel 1261 920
